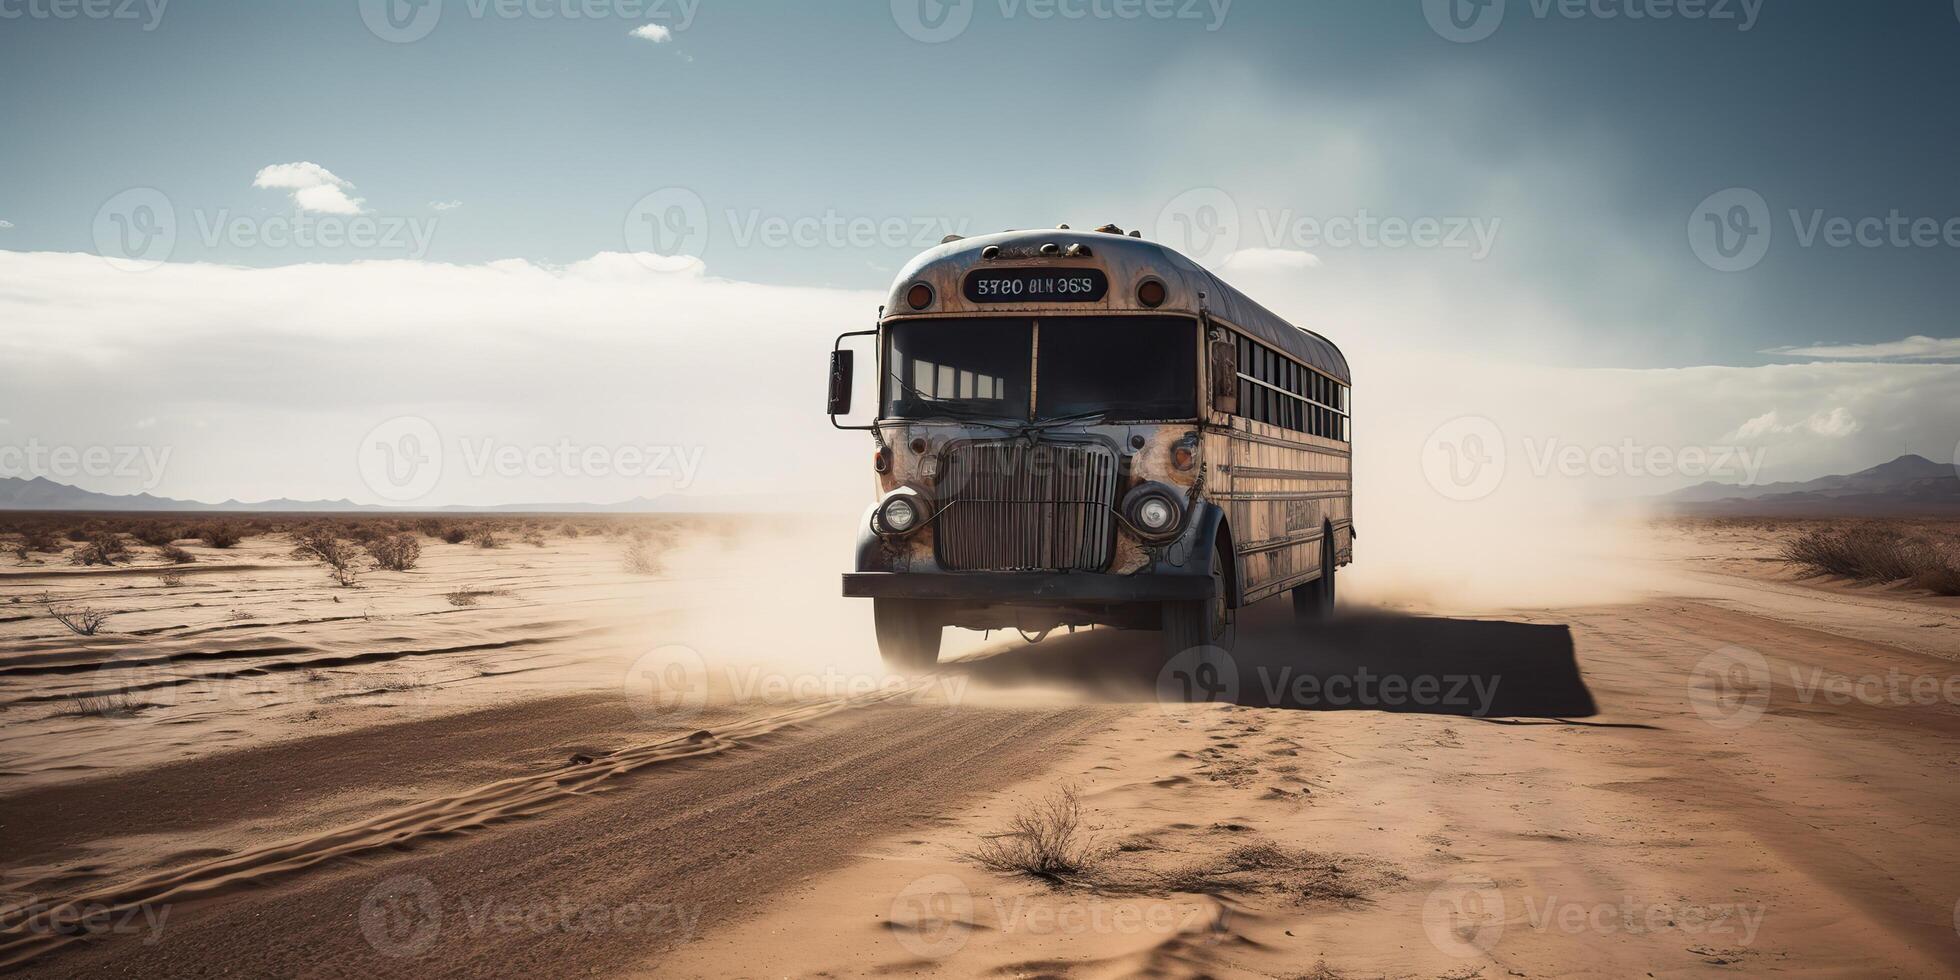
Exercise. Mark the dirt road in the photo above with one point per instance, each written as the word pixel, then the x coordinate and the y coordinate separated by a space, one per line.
pixel 1685 785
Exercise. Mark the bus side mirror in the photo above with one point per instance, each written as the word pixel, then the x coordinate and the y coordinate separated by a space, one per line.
pixel 840 382
pixel 1224 373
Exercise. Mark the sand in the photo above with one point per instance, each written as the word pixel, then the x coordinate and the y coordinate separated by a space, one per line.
pixel 600 772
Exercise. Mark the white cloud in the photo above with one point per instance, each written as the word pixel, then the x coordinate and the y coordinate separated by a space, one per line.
pixel 653 32
pixel 445 205
pixel 1915 348
pixel 1834 424
pixel 5 223
pixel 314 188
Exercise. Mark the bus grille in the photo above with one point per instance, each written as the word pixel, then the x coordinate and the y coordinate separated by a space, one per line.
pixel 1014 507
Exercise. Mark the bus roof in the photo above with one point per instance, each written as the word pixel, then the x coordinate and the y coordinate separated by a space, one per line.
pixel 1127 262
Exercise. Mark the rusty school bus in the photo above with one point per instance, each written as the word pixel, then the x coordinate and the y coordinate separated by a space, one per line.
pixel 1086 428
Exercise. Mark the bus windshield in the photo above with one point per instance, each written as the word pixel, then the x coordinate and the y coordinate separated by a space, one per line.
pixel 1121 369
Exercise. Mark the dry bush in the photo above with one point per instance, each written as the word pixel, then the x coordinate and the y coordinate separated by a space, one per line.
pixel 43 540
pixel 1045 840
pixel 568 530
pixel 486 538
pixel 1263 866
pixel 1870 553
pixel 123 705
pixel 106 548
pixel 396 552
pixel 322 545
pixel 640 559
pixel 156 534
pixel 171 580
pixel 79 533
pixel 455 535
pixel 86 621
pixel 469 597
pixel 534 538
pixel 221 535
pixel 175 555
pixel 429 527
pixel 21 552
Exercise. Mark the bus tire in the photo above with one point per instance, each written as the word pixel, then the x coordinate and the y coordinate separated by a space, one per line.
pixel 908 633
pixel 1206 623
pixel 1314 601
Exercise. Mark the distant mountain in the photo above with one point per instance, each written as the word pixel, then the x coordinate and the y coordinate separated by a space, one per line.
pixel 1910 486
pixel 40 493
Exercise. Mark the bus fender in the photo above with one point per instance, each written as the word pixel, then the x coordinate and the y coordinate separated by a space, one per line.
pixel 1205 535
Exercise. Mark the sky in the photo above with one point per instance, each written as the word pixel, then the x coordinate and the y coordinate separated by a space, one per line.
pixel 260 235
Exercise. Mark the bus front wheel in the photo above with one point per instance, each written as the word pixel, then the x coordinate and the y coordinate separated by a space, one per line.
pixel 1200 624
pixel 908 633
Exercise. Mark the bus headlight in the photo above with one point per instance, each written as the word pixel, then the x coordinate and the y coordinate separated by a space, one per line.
pixel 901 513
pixel 1154 510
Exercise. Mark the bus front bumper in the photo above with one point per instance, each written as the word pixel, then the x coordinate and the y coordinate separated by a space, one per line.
pixel 1031 588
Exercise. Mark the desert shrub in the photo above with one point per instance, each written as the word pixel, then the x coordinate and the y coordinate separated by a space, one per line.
pixel 171 580
pixel 396 552
pixel 429 527
pixel 106 548
pixel 120 705
pixel 1877 554
pixel 155 533
pixel 43 540
pixel 175 555
pixel 486 538
pixel 568 530
pixel 1045 840
pixel 322 545
pixel 640 559
pixel 86 621
pixel 469 597
pixel 534 538
pixel 21 552
pixel 455 535
pixel 80 533
pixel 221 535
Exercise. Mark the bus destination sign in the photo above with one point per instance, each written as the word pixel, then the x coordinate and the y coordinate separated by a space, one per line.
pixel 1036 285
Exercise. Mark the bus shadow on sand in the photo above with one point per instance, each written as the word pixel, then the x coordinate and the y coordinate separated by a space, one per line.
pixel 1367 660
